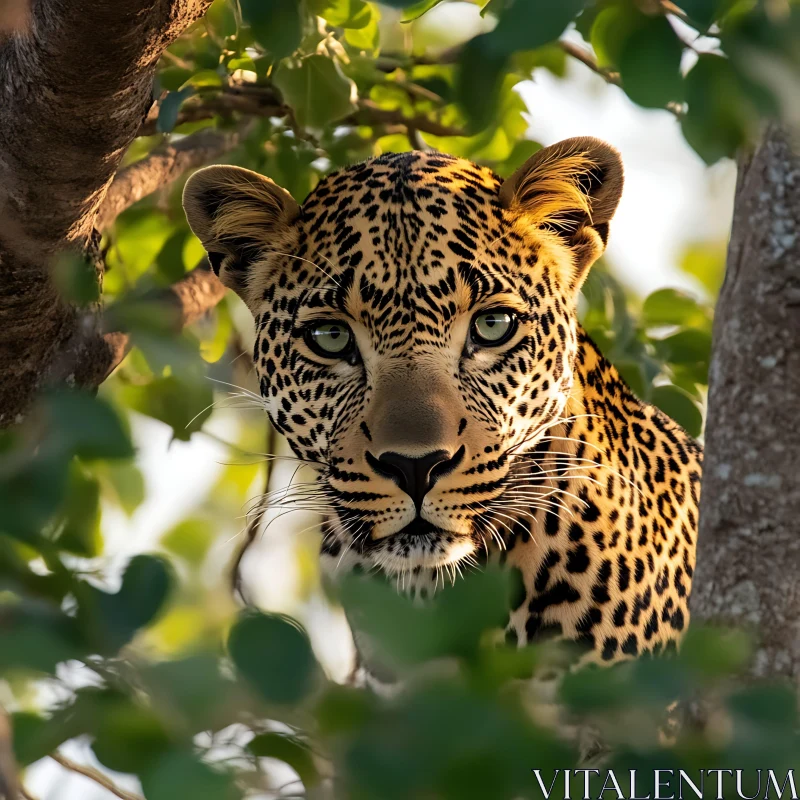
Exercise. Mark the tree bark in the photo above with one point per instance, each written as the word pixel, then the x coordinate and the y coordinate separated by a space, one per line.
pixel 749 539
pixel 75 87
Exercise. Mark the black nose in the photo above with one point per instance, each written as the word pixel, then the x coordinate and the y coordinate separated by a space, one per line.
pixel 416 476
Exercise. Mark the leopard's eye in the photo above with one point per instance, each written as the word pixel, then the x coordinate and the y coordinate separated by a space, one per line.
pixel 492 328
pixel 330 339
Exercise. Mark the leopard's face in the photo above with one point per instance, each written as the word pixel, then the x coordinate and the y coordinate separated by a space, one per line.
pixel 415 340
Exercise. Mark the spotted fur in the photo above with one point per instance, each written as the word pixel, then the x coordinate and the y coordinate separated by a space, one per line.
pixel 554 466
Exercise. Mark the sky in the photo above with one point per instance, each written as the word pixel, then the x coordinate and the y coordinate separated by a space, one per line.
pixel 670 200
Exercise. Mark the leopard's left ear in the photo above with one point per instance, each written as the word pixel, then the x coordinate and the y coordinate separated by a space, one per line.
pixel 573 188
pixel 238 215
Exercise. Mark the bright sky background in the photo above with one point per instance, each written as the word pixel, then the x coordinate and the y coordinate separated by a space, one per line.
pixel 670 200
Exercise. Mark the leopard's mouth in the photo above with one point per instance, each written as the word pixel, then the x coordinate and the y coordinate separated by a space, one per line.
pixel 419 527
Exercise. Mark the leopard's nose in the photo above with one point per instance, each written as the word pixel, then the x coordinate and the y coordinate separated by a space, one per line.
pixel 416 476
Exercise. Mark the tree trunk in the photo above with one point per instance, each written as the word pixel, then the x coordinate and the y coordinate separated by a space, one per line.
pixel 749 540
pixel 75 86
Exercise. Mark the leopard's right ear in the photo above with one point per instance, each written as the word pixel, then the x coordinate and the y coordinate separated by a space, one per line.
pixel 238 215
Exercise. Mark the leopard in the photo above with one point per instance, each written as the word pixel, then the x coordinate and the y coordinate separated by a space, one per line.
pixel 417 342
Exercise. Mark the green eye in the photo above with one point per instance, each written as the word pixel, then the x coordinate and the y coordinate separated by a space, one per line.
pixel 491 328
pixel 330 339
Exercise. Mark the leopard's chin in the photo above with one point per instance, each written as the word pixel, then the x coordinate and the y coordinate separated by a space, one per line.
pixel 421 546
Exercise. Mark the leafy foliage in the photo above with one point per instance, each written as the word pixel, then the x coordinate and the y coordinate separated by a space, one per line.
pixel 198 701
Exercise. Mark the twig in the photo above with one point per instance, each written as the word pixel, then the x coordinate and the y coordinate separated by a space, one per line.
pixel 261 103
pixel 369 113
pixel 586 57
pixel 162 167
pixel 94 775
pixel 389 62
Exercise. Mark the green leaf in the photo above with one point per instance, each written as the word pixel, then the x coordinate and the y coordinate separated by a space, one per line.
pixel 86 426
pixel 139 235
pixel 343 13
pixel 344 710
pixel 35 737
pixel 181 774
pixel 274 655
pixel 592 689
pixel 32 487
pixel 768 706
pixel 706 262
pixel 550 56
pixel 128 737
pixel 204 79
pixel 316 90
pixel 484 59
pixel 193 692
pixel 720 117
pixel 611 28
pixel 521 152
pixel 368 37
pixel 79 532
pixel 35 635
pixel 649 63
pixel 190 540
pixel 679 405
pixel 715 653
pixel 702 13
pixel 452 624
pixel 182 405
pixel 276 24
pixel 126 483
pixel 688 346
pixel 116 618
pixel 526 25
pixel 416 10
pixel 76 278
pixel 289 749
pixel 169 261
pixel 671 307
pixel 479 79
pixel 169 108
pixel 172 78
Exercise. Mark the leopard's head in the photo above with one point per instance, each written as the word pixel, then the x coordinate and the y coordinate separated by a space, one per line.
pixel 415 329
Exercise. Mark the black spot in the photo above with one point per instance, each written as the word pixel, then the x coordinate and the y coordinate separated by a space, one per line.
pixel 623 573
pixel 561 592
pixel 578 559
pixel 609 648
pixel 590 512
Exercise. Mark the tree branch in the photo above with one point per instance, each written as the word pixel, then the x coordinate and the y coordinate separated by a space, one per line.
pixel 251 104
pixel 94 775
pixel 73 92
pixel 264 103
pixel 163 166
pixel 586 57
pixel 371 114
pixel 91 357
